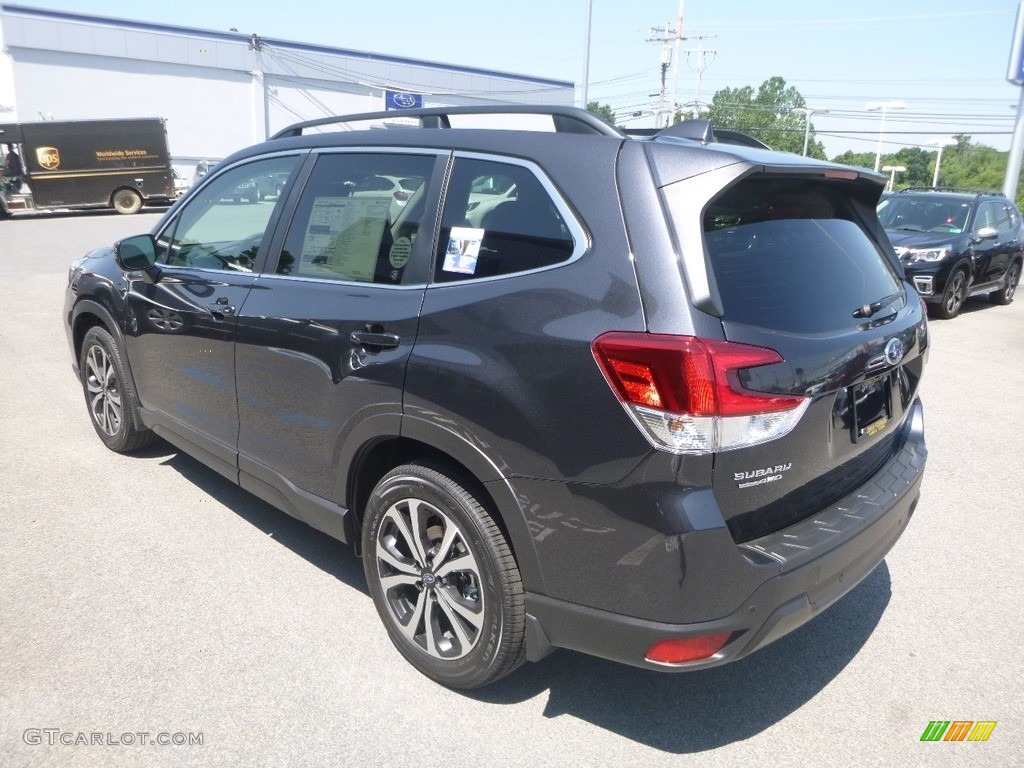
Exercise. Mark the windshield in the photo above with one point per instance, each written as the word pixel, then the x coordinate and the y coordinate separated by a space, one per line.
pixel 924 213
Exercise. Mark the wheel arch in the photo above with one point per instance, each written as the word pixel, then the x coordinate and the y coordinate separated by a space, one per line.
pixel 90 314
pixel 466 464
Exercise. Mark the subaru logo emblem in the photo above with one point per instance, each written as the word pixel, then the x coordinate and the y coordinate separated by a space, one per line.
pixel 893 351
pixel 406 100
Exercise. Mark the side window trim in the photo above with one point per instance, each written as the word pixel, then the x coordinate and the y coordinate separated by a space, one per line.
pixel 580 235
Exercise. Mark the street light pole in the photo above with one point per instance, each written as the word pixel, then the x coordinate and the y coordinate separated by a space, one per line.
pixel 586 60
pixel 884 106
pixel 807 112
pixel 940 143
pixel 892 170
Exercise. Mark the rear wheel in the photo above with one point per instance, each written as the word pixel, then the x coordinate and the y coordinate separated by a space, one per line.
pixel 1005 294
pixel 443 578
pixel 953 297
pixel 127 201
pixel 107 393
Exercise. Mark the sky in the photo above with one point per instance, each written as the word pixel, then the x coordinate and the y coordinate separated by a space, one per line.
pixel 945 60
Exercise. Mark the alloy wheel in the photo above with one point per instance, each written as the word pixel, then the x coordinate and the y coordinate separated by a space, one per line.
pixel 104 390
pixel 1011 283
pixel 430 579
pixel 955 293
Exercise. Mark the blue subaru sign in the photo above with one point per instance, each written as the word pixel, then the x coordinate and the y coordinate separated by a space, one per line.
pixel 402 100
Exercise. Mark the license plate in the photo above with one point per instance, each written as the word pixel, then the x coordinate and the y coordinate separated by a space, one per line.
pixel 872 407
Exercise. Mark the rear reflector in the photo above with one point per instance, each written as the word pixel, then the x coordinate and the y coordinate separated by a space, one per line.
pixel 685 393
pixel 680 650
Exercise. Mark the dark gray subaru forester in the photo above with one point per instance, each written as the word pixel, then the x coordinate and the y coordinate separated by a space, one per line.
pixel 650 399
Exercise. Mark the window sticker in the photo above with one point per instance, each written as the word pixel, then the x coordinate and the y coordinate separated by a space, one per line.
pixel 463 250
pixel 400 250
pixel 343 237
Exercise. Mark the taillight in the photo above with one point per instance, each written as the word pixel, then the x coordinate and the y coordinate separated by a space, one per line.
pixel 685 392
pixel 401 197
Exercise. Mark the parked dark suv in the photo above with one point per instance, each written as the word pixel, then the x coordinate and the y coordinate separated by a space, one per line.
pixel 956 244
pixel 650 399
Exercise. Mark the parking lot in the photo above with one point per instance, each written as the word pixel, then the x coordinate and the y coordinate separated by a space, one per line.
pixel 147 596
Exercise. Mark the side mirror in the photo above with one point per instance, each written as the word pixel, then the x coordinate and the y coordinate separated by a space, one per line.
pixel 987 233
pixel 138 253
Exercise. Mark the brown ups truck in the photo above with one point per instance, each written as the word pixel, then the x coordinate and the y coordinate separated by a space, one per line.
pixel 119 164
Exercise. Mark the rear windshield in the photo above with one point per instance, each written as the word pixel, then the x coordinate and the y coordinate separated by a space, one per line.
pixel 788 254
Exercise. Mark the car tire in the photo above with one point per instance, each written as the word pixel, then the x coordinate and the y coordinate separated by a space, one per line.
pixel 1005 294
pixel 954 296
pixel 443 577
pixel 127 201
pixel 108 393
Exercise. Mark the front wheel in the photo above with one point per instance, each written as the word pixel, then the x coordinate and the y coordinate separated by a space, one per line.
pixel 954 295
pixel 127 201
pixel 107 393
pixel 443 578
pixel 1005 294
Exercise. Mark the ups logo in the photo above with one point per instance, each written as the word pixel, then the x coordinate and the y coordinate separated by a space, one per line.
pixel 48 158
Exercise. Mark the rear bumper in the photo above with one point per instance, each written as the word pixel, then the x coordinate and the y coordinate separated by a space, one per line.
pixel 803 570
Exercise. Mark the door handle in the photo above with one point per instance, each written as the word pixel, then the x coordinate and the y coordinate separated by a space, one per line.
pixel 221 309
pixel 374 336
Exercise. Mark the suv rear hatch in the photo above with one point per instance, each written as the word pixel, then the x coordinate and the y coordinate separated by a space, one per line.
pixel 792 259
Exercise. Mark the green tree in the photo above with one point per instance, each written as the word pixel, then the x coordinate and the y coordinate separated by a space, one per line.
pixel 603 110
pixel 964 166
pixel 857 159
pixel 766 114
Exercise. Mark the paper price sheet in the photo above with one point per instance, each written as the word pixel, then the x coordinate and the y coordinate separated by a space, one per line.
pixel 343 237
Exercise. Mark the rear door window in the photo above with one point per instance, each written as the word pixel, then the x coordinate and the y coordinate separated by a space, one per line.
pixel 500 219
pixel 790 255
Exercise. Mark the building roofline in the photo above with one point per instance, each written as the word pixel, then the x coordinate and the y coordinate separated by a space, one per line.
pixel 239 37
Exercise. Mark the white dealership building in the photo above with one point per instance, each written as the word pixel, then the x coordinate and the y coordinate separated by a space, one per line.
pixel 219 91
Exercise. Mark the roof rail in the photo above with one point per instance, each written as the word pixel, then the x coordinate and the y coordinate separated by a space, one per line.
pixel 962 190
pixel 566 119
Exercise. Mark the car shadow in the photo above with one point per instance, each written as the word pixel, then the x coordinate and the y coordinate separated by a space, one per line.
pixel 676 713
pixel 971 305
pixel 976 304
pixel 319 549
pixel 699 711
pixel 62 213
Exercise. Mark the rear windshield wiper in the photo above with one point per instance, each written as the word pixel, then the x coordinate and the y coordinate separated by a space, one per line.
pixel 876 306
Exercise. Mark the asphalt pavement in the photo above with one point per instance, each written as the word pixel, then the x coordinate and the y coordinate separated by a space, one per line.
pixel 146 599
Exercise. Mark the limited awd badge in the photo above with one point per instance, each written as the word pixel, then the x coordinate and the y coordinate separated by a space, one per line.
pixel 760 476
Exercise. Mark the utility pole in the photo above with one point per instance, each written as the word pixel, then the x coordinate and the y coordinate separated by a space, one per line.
pixel 664 36
pixel 260 75
pixel 670 37
pixel 702 64
pixel 675 60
